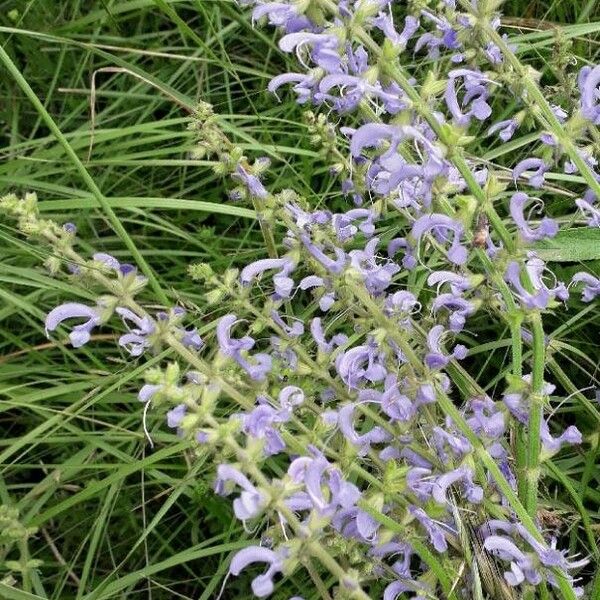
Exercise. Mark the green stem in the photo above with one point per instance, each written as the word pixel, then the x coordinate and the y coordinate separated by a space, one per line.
pixel 293 443
pixel 536 410
pixel 24 559
pixel 291 440
pixel 450 410
pixel 541 106
pixel 421 549
pixel 527 451
pixel 301 530
pixel 395 72
pixel 318 581
pixel 233 392
pixel 87 178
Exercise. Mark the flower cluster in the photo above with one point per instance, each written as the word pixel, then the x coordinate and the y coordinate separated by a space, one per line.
pixel 361 441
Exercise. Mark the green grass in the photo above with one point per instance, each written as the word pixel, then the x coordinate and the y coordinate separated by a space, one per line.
pixel 114 519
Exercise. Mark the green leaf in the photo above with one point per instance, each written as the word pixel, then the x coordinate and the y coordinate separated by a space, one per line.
pixel 11 593
pixel 571 245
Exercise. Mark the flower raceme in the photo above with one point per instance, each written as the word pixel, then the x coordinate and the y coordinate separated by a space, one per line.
pixel 346 353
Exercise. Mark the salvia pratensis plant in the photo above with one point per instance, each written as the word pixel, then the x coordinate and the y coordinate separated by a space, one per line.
pixel 362 444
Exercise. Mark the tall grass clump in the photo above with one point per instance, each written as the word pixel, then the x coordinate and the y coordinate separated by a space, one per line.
pixel 300 301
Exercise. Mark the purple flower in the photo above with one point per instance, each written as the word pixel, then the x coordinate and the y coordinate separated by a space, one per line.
pixel 541 294
pixel 372 135
pixel 136 341
pixel 316 329
pixel 363 442
pixel 376 277
pixel 441 226
pixel 304 87
pixel 516 403
pixel 228 345
pixel 282 352
pixel 124 271
pixel 458 283
pixel 546 229
pixel 307 220
pixel 527 566
pixel 390 173
pixel 443 439
pixel 571 435
pixel 473 492
pixel 148 391
pixel 283 283
pixel 436 357
pixel 312 281
pixel 420 482
pixel 251 182
pixel 324 52
pixel 260 364
pixel 277 13
pixel 402 305
pixel 383 21
pixel 80 334
pixel 446 36
pixel 367 526
pixel 396 405
pixel 590 212
pixel 434 530
pixel 549 557
pixel 290 397
pixel 263 584
pixel 426 393
pixel 493 53
pixel 539 168
pixel 260 424
pixel 188 337
pixel 408 261
pixel 475 93
pixel 588 158
pixel 294 41
pixel 361 363
pixel 432 42
pixel 392 550
pixel 251 500
pixel 317 473
pixel 107 260
pixel 414 459
pixel 591 285
pixel 353 89
pixel 521 566
pixel 589 82
pixel 493 526
pixel 191 338
pixel 346 522
pixel 349 189
pixel 334 265
pixel 344 223
pixel 459 309
pixel 486 419
pixel 293 331
pixel 175 416
pixel 548 139
pixel 394 589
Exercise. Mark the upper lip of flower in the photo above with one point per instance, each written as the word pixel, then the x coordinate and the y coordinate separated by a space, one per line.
pixel 80 334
